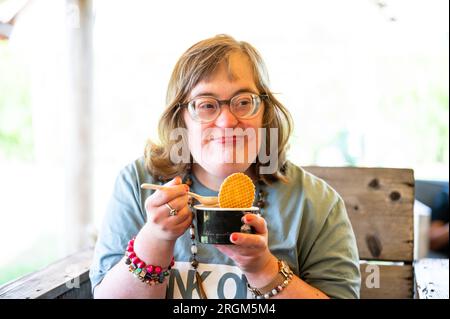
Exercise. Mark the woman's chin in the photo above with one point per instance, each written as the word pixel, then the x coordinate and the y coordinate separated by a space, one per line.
pixel 225 161
pixel 226 169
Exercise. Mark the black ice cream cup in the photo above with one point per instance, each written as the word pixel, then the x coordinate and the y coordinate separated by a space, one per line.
pixel 216 224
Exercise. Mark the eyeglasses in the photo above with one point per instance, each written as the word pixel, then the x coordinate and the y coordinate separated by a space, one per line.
pixel 207 108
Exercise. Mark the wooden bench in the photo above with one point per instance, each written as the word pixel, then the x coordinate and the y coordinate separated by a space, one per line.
pixel 379 203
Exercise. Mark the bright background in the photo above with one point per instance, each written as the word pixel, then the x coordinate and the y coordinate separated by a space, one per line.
pixel 366 82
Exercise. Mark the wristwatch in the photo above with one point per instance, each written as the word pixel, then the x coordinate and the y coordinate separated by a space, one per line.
pixel 281 280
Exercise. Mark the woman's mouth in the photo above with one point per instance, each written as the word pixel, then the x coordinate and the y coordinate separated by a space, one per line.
pixel 227 139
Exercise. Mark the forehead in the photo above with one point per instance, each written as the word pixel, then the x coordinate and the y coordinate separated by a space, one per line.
pixel 234 74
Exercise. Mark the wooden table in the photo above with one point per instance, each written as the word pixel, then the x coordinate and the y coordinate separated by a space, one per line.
pixel 431 276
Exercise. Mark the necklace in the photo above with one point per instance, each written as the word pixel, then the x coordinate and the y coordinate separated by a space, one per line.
pixel 260 203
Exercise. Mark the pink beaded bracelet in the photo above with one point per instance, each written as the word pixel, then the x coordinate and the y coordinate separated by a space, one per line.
pixel 149 274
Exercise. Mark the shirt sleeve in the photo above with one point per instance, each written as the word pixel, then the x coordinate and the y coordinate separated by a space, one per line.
pixel 123 220
pixel 332 265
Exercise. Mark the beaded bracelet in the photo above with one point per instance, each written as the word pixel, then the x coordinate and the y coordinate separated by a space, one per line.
pixel 276 290
pixel 281 281
pixel 149 274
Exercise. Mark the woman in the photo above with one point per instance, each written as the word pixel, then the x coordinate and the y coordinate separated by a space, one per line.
pixel 219 89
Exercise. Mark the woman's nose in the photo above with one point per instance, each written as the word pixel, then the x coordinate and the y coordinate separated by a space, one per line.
pixel 226 118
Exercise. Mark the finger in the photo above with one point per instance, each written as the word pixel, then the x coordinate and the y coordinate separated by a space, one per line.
pixel 183 215
pixel 257 222
pixel 248 240
pixel 233 251
pixel 161 213
pixel 168 222
pixel 178 203
pixel 227 250
pixel 149 202
pixel 175 181
pixel 182 227
pixel 163 196
pixel 178 224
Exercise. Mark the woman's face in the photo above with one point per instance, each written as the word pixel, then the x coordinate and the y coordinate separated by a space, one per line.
pixel 228 144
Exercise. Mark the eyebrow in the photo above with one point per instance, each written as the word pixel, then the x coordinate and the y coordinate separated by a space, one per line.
pixel 235 93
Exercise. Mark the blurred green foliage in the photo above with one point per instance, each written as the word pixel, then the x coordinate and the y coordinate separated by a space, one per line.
pixel 39 255
pixel 16 140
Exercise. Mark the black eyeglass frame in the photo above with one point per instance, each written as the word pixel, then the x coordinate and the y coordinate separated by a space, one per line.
pixel 193 114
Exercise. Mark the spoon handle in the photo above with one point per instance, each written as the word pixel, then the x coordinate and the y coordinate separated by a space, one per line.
pixel 152 186
pixel 160 187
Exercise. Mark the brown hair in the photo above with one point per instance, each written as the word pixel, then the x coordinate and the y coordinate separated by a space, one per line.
pixel 197 63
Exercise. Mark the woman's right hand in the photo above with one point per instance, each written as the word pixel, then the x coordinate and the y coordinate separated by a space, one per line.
pixel 161 226
pixel 154 244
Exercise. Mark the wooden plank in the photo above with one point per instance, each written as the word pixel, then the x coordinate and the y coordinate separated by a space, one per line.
pixel 379 281
pixel 431 277
pixel 84 292
pixel 70 273
pixel 379 203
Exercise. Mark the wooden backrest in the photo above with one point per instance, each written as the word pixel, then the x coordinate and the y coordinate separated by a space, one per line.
pixel 379 203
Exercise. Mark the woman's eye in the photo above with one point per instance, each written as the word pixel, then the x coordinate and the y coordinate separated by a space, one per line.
pixel 207 106
pixel 243 103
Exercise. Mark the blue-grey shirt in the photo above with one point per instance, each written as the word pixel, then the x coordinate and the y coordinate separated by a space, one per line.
pixel 308 228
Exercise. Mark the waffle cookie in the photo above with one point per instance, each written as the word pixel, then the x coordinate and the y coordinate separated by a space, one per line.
pixel 237 191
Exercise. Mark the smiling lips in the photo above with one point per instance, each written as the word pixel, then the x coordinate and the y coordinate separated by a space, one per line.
pixel 227 139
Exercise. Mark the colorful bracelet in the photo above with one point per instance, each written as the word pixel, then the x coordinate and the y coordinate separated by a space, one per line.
pixel 149 274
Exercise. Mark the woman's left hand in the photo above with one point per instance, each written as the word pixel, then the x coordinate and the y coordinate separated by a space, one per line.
pixel 250 252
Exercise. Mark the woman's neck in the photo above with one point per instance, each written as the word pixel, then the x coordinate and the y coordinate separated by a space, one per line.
pixel 213 182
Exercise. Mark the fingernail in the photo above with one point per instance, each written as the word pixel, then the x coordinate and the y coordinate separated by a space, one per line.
pixel 187 188
pixel 248 218
pixel 234 237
